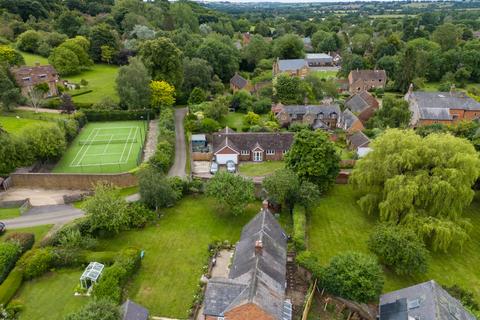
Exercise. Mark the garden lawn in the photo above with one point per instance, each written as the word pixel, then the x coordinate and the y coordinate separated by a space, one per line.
pixel 233 120
pixel 31 59
pixel 13 125
pixel 176 249
pixel 101 79
pixel 337 225
pixel 9 213
pixel 50 297
pixel 260 169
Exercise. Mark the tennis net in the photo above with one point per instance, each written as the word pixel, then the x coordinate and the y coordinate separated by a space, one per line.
pixel 107 141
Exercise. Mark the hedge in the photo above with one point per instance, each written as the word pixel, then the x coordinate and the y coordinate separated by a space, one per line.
pixel 105 257
pixel 10 286
pixel 36 262
pixel 25 240
pixel 165 152
pixel 117 115
pixel 9 254
pixel 308 261
pixel 299 227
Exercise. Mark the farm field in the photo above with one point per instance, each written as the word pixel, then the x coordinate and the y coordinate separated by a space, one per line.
pixel 104 147
pixel 338 225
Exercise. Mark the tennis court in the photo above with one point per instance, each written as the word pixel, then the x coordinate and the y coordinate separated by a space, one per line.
pixel 105 147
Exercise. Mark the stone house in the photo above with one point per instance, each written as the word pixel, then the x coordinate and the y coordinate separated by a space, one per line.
pixel 28 77
pixel 323 116
pixel 229 145
pixel 361 80
pixel 237 82
pixel 357 140
pixel 349 122
pixel 440 107
pixel 426 300
pixel 301 67
pixel 255 287
pixel 363 104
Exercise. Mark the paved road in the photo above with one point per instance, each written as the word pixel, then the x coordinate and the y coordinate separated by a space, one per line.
pixel 178 168
pixel 42 215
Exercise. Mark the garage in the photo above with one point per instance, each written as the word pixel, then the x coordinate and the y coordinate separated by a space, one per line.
pixel 223 158
pixel 226 152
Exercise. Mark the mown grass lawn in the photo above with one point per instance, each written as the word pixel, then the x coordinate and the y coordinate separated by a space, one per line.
pixel 338 225
pixel 14 125
pixel 176 249
pixel 260 169
pixel 50 297
pixel 38 231
pixel 233 120
pixel 9 213
pixel 101 79
pixel 31 59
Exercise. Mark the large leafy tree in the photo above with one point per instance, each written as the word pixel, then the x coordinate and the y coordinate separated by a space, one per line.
pixel 163 60
pixel 133 85
pixel 9 93
pixel 393 114
pixel 232 192
pixel 196 73
pixel 399 248
pixel 155 189
pixel 447 36
pixel 313 157
pixel 221 55
pixel 425 183
pixel 354 276
pixel 257 49
pixel 100 309
pixel 163 94
pixel 289 46
pixel 102 35
pixel 10 56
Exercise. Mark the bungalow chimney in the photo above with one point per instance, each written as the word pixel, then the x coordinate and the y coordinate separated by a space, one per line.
pixel 410 88
pixel 258 247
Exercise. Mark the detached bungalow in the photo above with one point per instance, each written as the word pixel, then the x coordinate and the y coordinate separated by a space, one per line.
pixel 255 287
pixel 426 300
pixel 29 77
pixel 229 145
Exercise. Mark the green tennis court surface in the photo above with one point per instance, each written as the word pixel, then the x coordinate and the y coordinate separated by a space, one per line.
pixel 105 147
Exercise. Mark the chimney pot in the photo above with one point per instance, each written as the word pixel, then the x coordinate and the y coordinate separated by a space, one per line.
pixel 258 247
pixel 265 204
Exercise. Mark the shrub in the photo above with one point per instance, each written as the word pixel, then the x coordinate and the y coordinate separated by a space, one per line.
pixel 155 190
pixel 109 285
pixel 164 156
pixel 25 240
pixel 353 276
pixel 73 238
pixel 9 254
pixel 105 257
pixel 101 309
pixel 36 262
pixel 138 215
pixel 299 222
pixel 46 141
pixel 10 286
pixel 308 261
pixel 68 257
pixel 399 248
pixel 129 259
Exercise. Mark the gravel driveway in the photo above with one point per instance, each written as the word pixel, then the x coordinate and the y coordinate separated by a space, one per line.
pixel 178 168
pixel 42 215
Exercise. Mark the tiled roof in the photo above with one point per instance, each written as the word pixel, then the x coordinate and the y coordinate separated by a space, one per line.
pixel 238 81
pixel 367 75
pixel 291 64
pixel 358 139
pixel 426 300
pixel 435 114
pixel 318 57
pixel 447 100
pixel 255 277
pixel 248 140
pixel 361 101
pixel 326 109
pixel 133 311
pixel 348 119
pixel 36 75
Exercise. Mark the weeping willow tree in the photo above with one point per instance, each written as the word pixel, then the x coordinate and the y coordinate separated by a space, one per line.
pixel 424 183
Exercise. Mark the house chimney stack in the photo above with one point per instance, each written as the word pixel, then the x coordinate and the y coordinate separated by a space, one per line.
pixel 258 247
pixel 37 64
pixel 410 88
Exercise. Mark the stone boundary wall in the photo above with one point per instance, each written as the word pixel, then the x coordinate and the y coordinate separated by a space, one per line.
pixel 71 181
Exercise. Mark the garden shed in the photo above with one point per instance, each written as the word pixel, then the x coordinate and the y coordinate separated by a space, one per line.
pixel 91 274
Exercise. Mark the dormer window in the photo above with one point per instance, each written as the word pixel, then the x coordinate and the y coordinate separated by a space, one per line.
pixel 333 115
pixel 320 115
pixel 26 79
pixel 42 76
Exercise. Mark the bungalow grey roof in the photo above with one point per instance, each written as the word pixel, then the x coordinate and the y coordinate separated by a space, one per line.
pixel 358 139
pixel 257 275
pixel 133 311
pixel 447 100
pixel 291 64
pixel 426 300
pixel 318 58
pixel 248 140
pixel 348 119
pixel 238 81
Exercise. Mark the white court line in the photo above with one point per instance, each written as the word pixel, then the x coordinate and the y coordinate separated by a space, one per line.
pixel 131 146
pixel 81 149
pixel 103 154
pixel 86 151
pixel 106 147
pixel 125 146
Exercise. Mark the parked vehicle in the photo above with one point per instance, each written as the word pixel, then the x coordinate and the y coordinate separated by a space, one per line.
pixel 213 167
pixel 231 166
pixel 3 227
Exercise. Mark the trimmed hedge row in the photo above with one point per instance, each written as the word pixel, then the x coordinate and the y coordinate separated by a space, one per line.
pixel 25 240
pixel 36 262
pixel 114 277
pixel 299 228
pixel 10 286
pixel 117 115
pixel 9 254
pixel 165 152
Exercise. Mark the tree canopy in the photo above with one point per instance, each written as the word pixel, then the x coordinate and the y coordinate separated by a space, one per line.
pixel 424 183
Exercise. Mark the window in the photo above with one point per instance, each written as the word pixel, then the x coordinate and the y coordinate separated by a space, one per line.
pixel 333 115
pixel 320 115
pixel 270 152
pixel 42 76
pixel 26 79
pixel 244 152
pixel 257 156
pixel 284 151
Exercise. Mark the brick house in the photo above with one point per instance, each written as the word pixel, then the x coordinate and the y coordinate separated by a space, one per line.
pixel 361 80
pixel 237 82
pixel 255 287
pixel 426 300
pixel 323 116
pixel 28 77
pixel 349 122
pixel 441 107
pixel 363 104
pixel 250 146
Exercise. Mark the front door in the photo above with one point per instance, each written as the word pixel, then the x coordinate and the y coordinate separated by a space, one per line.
pixel 257 156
